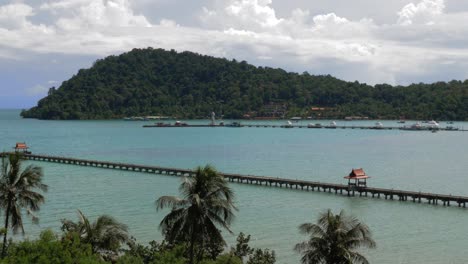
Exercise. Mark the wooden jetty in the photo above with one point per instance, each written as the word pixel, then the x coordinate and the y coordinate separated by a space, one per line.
pixel 449 128
pixel 348 190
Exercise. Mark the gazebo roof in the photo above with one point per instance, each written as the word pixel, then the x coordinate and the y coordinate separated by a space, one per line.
pixel 357 174
pixel 21 145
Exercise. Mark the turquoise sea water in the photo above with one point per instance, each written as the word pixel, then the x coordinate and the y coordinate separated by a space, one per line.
pixel 405 232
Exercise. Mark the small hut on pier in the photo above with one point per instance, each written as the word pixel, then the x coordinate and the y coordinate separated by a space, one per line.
pixel 357 178
pixel 22 148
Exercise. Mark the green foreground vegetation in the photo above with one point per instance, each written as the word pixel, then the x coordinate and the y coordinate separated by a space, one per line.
pixel 188 85
pixel 192 228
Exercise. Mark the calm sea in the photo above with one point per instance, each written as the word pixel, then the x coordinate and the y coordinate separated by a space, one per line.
pixel 405 232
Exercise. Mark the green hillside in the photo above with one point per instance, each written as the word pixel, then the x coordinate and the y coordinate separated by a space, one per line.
pixel 188 85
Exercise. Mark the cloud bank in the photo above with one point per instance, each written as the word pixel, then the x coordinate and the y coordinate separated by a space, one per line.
pixel 423 43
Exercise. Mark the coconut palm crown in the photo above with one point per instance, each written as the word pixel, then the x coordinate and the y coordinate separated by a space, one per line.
pixel 105 235
pixel 19 190
pixel 206 203
pixel 334 239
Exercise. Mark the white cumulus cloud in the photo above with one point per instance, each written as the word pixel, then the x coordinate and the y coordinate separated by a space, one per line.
pixel 419 42
pixel 14 16
pixel 242 14
pixel 87 14
pixel 423 12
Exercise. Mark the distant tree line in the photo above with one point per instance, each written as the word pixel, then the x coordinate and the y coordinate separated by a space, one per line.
pixel 188 85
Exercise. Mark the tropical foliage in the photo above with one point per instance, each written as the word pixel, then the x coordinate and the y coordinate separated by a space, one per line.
pixel 206 203
pixel 19 190
pixel 105 235
pixel 189 85
pixel 50 249
pixel 334 240
pixel 262 256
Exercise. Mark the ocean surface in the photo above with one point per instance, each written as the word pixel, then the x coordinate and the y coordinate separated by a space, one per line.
pixel 409 160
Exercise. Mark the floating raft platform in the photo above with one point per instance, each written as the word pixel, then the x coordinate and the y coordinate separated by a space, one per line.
pixel 401 195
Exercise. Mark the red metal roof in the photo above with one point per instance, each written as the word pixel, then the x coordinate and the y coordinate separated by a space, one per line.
pixel 21 146
pixel 357 174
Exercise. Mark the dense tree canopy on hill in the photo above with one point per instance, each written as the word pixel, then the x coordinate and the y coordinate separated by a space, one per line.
pixel 188 85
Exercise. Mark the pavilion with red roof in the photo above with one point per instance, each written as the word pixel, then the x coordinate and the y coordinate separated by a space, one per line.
pixel 357 178
pixel 21 147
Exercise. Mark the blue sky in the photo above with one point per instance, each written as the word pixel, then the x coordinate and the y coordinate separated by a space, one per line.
pixel 43 43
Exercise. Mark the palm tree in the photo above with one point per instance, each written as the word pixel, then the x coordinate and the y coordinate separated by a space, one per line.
pixel 19 190
pixel 207 203
pixel 334 239
pixel 105 235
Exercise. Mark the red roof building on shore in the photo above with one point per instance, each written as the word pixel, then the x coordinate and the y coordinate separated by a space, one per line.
pixel 357 178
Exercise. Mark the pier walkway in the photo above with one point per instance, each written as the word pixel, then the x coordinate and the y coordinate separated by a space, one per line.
pixel 401 195
pixel 448 128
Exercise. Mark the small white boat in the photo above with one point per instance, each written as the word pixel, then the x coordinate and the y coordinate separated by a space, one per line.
pixel 416 126
pixel 331 125
pixel 378 125
pixel 289 124
pixel 433 124
pixel 317 125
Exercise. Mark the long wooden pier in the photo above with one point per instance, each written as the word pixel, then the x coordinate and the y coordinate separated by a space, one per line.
pixel 401 195
pixel 448 128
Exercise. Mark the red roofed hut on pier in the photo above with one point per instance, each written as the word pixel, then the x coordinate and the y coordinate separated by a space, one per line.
pixel 22 147
pixel 357 178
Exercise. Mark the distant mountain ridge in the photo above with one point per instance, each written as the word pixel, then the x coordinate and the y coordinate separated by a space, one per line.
pixel 188 85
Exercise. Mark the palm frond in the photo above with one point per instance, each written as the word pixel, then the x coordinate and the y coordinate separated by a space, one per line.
pixel 333 239
pixel 16 219
pixel 169 201
pixel 358 258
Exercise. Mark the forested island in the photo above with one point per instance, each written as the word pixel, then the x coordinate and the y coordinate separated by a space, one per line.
pixel 189 85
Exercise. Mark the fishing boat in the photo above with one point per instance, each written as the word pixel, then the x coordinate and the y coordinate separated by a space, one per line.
pixel 331 125
pixel 378 125
pixel 289 124
pixel 317 125
pixel 433 123
pixel 161 124
pixel 416 126
pixel 178 123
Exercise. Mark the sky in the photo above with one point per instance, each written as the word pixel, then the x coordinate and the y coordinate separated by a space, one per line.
pixel 43 43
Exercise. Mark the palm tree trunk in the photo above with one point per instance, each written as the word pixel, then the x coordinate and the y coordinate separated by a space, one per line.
pixel 6 229
pixel 192 243
pixel 191 249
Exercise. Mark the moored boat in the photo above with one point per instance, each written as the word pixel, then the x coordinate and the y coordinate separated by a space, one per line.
pixel 433 124
pixel 378 125
pixel 178 123
pixel 416 126
pixel 316 125
pixel 331 125
pixel 288 125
